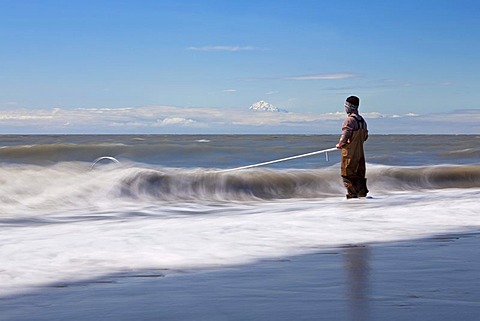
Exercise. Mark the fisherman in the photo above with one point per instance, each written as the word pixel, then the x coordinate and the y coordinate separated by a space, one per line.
pixel 354 134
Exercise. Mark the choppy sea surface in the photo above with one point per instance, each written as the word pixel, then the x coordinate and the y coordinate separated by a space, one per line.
pixel 170 205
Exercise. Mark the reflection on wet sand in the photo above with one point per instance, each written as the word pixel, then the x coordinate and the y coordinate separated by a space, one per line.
pixel 357 269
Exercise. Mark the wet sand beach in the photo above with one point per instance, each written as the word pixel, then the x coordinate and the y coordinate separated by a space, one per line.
pixel 427 279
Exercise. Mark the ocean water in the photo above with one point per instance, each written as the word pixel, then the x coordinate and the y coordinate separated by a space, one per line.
pixel 170 207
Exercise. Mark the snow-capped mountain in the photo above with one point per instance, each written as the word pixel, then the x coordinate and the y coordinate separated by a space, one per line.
pixel 264 106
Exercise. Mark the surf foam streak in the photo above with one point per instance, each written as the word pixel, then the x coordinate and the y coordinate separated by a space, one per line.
pixel 85 244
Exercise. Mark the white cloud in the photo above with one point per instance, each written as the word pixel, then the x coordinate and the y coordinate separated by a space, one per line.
pixel 103 109
pixel 25 117
pixel 333 76
pixel 169 119
pixel 224 48
pixel 374 115
pixel 229 90
pixel 172 121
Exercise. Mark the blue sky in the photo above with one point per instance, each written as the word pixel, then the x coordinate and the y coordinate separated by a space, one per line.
pixel 196 66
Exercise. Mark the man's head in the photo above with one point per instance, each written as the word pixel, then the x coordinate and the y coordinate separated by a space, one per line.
pixel 351 104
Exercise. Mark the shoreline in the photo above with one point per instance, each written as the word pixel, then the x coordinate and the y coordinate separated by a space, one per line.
pixel 427 279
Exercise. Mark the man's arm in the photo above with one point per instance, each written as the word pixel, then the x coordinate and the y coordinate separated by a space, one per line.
pixel 347 129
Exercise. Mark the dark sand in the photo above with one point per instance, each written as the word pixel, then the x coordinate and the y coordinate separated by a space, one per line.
pixel 430 279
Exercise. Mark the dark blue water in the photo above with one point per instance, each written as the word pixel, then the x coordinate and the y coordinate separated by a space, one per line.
pixel 228 151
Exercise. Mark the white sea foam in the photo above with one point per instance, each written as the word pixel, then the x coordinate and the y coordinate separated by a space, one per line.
pixel 124 235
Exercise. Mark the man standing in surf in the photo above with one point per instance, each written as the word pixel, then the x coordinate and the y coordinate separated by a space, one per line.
pixel 354 134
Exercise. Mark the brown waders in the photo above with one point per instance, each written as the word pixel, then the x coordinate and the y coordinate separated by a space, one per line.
pixel 353 164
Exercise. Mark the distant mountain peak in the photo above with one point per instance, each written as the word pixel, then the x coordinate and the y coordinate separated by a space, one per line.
pixel 264 106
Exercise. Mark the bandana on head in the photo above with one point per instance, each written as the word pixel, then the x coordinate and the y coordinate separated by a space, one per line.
pixel 351 108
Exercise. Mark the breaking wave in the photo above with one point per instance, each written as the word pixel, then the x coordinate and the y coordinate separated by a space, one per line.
pixel 432 177
pixel 246 185
pixel 70 185
pixel 281 184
